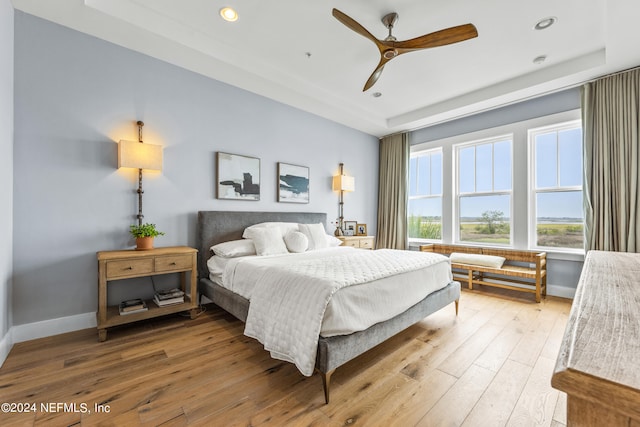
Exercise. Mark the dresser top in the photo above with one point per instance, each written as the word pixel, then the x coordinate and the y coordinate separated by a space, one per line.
pixel 132 253
pixel 601 345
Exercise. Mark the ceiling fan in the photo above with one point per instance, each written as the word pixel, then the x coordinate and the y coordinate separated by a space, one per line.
pixel 390 48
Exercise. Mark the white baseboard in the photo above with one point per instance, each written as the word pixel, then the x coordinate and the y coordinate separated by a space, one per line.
pixel 561 291
pixel 47 328
pixel 5 346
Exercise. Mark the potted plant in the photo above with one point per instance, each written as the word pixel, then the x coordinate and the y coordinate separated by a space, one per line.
pixel 144 235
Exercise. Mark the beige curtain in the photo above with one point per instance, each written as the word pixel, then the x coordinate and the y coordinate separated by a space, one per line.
pixel 611 120
pixel 392 192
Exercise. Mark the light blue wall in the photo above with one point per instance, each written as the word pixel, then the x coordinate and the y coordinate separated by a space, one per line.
pixel 76 96
pixel 558 102
pixel 6 171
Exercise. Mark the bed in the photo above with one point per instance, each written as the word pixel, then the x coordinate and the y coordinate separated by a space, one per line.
pixel 216 227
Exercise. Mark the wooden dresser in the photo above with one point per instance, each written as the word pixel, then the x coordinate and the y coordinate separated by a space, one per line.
pixel 599 361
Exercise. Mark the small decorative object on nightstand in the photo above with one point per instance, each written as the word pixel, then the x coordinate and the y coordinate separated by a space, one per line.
pixel 350 228
pixel 144 234
pixel 126 264
pixel 361 242
pixel 361 230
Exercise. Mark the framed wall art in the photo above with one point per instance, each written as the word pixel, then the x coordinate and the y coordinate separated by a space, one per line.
pixel 238 177
pixel 293 183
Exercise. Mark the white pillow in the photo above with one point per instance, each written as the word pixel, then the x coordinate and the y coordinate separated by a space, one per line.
pixel 284 228
pixel 296 241
pixel 477 259
pixel 268 241
pixel 332 241
pixel 234 248
pixel 316 235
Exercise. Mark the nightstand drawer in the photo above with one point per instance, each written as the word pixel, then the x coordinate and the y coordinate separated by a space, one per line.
pixel 177 262
pixel 366 243
pixel 360 242
pixel 129 267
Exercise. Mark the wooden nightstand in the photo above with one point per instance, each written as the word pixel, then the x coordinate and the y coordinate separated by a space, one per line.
pixel 361 242
pixel 126 264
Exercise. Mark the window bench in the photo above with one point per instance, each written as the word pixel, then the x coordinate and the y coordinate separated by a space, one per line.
pixel 524 271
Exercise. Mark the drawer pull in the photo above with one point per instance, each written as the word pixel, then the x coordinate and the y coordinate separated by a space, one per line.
pixel 129 268
pixel 173 263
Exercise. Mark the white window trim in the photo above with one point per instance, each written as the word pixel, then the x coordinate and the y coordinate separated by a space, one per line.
pixel 457 193
pixel 533 191
pixel 520 199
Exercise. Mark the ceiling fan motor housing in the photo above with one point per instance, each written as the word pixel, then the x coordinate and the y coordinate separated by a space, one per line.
pixel 390 53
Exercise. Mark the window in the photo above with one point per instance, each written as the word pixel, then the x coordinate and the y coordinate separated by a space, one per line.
pixel 425 195
pixel 484 185
pixel 556 184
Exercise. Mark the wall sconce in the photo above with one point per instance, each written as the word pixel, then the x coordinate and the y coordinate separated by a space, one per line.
pixel 342 183
pixel 140 156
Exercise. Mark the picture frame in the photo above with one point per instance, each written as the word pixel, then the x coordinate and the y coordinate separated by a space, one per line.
pixel 350 228
pixel 237 177
pixel 361 229
pixel 293 183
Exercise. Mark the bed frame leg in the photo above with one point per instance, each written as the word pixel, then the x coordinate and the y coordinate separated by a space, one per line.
pixel 457 301
pixel 326 383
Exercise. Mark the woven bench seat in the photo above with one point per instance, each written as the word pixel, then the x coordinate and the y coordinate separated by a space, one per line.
pixel 524 271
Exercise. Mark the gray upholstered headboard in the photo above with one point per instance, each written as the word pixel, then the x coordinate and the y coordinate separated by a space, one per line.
pixel 221 226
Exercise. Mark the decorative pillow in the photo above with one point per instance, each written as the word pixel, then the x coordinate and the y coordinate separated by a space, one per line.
pixel 332 241
pixel 234 248
pixel 477 259
pixel 284 228
pixel 296 241
pixel 268 241
pixel 316 235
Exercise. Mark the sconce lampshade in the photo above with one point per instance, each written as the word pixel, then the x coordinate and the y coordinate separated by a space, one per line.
pixel 133 154
pixel 344 183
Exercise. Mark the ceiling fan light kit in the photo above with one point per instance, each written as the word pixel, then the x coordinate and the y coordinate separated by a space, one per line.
pixel 390 47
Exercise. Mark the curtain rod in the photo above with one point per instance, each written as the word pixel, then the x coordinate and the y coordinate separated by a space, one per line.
pixel 637 67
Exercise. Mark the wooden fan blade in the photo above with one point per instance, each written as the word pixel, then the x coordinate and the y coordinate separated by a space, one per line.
pixel 353 25
pixel 376 74
pixel 438 38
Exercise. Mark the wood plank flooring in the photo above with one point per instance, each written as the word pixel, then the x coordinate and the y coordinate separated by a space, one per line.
pixel 490 366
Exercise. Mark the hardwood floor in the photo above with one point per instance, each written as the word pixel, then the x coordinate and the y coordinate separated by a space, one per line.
pixel 490 366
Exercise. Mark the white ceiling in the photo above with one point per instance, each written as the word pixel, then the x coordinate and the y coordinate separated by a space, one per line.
pixel 265 51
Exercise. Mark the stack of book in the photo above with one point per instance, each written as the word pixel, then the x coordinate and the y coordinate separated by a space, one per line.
pixel 172 296
pixel 132 306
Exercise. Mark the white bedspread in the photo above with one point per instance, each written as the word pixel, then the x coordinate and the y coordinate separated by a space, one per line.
pixel 289 299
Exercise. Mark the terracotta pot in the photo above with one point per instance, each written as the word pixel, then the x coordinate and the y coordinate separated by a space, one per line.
pixel 144 243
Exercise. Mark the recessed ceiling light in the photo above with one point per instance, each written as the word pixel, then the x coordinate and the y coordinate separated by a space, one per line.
pixel 376 94
pixel 539 59
pixel 545 23
pixel 229 14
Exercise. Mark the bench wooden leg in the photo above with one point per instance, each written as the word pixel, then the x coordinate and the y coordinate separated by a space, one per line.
pixel 457 301
pixel 471 279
